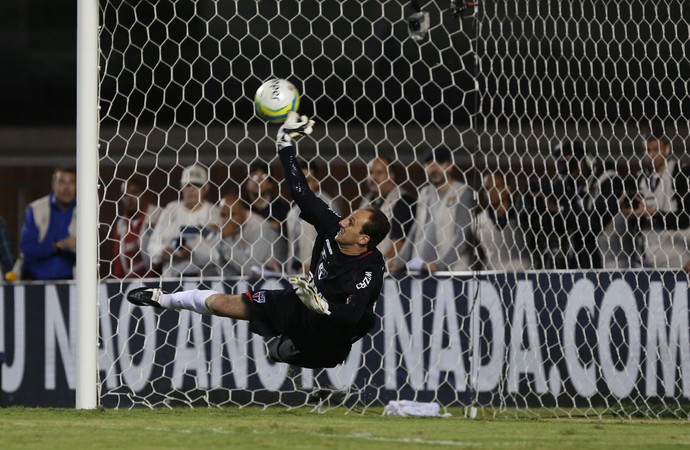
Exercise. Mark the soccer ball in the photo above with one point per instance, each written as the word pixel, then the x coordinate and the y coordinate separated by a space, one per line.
pixel 274 99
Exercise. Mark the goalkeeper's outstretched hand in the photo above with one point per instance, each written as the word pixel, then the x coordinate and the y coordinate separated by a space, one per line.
pixel 295 126
pixel 311 298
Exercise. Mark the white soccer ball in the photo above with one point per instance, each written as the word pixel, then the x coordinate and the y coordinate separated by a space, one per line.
pixel 274 99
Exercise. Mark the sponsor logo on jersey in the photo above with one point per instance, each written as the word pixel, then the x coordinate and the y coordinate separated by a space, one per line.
pixel 259 297
pixel 451 201
pixel 365 282
pixel 322 272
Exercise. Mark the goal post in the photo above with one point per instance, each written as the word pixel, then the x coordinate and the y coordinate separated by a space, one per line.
pixel 87 276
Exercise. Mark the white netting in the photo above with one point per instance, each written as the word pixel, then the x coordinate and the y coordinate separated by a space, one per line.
pixel 499 89
pixel 594 82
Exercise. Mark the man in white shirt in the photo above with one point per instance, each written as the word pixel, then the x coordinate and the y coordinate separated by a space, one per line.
pixel 442 236
pixel 393 201
pixel 500 237
pixel 247 240
pixel 263 196
pixel 659 212
pixel 183 238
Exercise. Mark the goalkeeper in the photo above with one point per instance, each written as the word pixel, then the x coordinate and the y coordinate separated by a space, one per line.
pixel 314 323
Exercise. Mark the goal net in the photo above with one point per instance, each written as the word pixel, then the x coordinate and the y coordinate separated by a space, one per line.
pixel 541 293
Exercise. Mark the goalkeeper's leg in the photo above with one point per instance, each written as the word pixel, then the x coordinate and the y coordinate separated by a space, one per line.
pixel 204 302
pixel 234 306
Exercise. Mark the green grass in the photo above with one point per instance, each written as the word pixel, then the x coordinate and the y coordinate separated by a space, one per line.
pixel 256 428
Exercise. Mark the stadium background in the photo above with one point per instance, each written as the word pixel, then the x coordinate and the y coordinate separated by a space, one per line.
pixel 39 112
pixel 37 85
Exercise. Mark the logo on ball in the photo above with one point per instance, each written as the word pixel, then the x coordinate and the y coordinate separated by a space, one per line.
pixel 275 99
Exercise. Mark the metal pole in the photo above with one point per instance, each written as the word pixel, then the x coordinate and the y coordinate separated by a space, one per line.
pixel 87 203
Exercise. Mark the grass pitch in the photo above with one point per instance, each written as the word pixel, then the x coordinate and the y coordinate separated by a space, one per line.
pixel 256 428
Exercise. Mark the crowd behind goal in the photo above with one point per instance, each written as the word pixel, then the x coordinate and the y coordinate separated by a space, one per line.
pixel 588 212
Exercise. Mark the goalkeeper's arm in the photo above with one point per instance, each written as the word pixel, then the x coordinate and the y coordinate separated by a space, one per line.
pixel 312 209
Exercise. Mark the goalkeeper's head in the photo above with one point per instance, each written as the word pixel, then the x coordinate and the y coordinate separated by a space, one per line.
pixel 377 227
pixel 362 230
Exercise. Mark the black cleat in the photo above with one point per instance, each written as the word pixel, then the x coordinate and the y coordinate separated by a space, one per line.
pixel 144 296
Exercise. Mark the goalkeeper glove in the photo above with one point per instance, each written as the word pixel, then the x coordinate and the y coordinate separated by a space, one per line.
pixel 308 294
pixel 295 126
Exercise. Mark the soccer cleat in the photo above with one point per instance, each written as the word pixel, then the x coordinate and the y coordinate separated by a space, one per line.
pixel 144 296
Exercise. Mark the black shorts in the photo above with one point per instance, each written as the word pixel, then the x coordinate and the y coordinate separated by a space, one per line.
pixel 284 349
pixel 297 337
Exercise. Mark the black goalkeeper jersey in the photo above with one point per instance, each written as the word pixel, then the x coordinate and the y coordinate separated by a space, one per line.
pixel 350 284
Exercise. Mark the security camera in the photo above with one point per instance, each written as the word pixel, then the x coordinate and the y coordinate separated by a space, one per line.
pixel 418 25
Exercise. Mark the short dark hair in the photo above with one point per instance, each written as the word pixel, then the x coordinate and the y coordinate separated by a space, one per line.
pixel 658 133
pixel 440 155
pixel 231 198
pixel 258 165
pixel 65 169
pixel 136 180
pixel 377 227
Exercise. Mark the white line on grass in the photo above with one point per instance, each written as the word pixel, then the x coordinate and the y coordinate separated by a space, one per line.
pixel 370 437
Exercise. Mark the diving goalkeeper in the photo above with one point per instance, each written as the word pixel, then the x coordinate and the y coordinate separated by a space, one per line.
pixel 314 323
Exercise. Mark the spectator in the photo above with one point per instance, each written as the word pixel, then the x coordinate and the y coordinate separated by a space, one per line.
pixel 6 251
pixel 609 188
pixel 182 240
pixel 246 240
pixel 398 205
pixel 301 235
pixel 604 188
pixel 133 227
pixel 442 237
pixel 48 239
pixel 563 216
pixel 261 192
pixel 500 237
pixel 658 214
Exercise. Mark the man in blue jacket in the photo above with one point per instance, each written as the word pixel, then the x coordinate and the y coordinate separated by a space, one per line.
pixel 48 241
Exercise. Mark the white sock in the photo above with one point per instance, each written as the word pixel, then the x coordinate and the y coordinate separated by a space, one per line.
pixel 194 300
